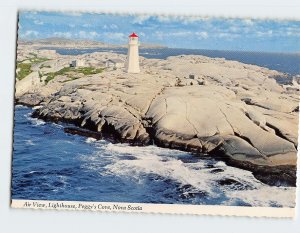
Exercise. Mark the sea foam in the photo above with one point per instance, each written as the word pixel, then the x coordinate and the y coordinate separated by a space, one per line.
pixel 232 185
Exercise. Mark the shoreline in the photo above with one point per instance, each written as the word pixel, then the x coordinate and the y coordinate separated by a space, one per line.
pixel 271 175
pixel 187 175
pixel 193 103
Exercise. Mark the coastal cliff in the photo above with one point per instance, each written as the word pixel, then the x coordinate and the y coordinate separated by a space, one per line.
pixel 212 107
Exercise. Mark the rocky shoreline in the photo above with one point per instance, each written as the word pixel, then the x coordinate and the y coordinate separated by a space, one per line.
pixel 227 110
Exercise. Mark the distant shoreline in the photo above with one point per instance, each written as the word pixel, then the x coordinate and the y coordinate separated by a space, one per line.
pixel 74 43
pixel 282 62
pixel 64 43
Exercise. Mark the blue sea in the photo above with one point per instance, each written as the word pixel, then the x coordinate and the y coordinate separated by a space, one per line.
pixel 49 164
pixel 284 62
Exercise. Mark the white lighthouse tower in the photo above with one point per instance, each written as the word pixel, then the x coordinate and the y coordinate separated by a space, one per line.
pixel 133 65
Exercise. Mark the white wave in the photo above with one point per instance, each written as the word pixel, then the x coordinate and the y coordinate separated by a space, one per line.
pixel 57 125
pixel 37 107
pixel 34 121
pixel 27 116
pixel 32 172
pixel 161 162
pixel 90 140
pixel 266 195
pixel 165 163
pixel 19 106
pixel 63 179
pixel 142 150
pixel 37 122
pixel 29 142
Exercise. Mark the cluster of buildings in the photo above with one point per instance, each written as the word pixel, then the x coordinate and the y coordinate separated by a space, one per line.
pixel 131 64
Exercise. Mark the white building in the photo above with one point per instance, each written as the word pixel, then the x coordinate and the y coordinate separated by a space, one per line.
pixel 132 64
pixel 77 63
pixel 115 63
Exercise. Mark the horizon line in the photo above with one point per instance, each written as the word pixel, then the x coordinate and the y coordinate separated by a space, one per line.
pixel 165 46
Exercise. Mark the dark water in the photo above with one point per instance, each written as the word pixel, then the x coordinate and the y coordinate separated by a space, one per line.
pixel 284 62
pixel 49 164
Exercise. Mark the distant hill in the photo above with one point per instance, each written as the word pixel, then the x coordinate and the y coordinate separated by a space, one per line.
pixel 57 41
pixel 78 43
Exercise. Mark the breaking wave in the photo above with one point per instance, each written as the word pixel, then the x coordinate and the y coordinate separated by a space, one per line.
pixel 202 181
pixel 49 164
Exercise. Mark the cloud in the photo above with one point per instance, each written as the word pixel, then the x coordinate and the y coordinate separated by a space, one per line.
pixel 72 13
pixel 86 25
pixel 248 22
pixel 30 34
pixel 180 34
pixel 292 31
pixel 29 14
pixel 268 33
pixel 162 34
pixel 38 22
pixel 62 34
pixel 113 26
pixel 159 35
pixel 87 35
pixel 171 30
pixel 140 19
pixel 115 36
pixel 83 34
pixel 184 19
pixel 191 19
pixel 94 34
pixel 227 36
pixel 165 18
pixel 234 29
pixel 202 35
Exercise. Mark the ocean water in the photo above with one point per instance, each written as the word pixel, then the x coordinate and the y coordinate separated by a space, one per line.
pixel 284 62
pixel 49 164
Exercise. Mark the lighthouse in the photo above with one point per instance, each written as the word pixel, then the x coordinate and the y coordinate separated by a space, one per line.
pixel 133 65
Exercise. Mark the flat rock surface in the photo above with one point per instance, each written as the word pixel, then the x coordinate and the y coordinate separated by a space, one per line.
pixel 228 108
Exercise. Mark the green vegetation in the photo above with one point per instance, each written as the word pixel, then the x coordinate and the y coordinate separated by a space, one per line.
pixel 71 78
pixel 33 54
pixel 71 71
pixel 25 69
pixel 44 66
pixel 89 70
pixel 52 75
pixel 40 75
pixel 37 60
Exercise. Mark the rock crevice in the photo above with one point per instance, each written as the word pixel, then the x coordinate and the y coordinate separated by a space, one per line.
pixel 238 113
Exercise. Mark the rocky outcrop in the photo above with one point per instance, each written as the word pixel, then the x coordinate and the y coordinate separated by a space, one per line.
pixel 227 110
pixel 221 126
pixel 29 84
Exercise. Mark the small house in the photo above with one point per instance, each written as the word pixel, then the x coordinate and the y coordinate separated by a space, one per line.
pixel 77 63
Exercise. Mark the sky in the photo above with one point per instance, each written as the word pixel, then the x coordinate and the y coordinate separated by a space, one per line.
pixel 192 32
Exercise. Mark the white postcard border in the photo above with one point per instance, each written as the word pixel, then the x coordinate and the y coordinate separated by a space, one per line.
pixel 273 212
